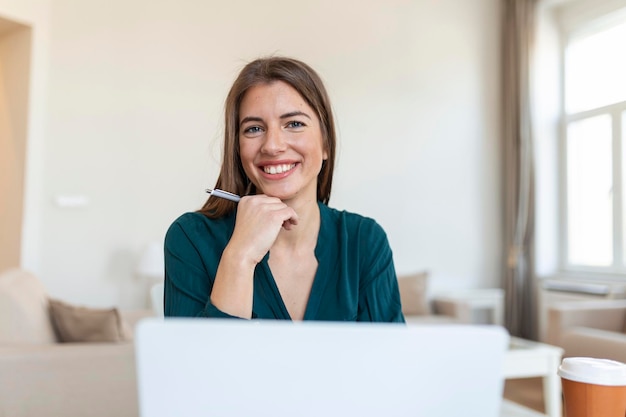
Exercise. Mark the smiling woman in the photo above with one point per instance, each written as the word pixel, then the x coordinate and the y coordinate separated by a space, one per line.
pixel 280 252
pixel 308 86
pixel 282 148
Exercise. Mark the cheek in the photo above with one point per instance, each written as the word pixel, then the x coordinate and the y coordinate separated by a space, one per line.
pixel 246 153
pixel 247 159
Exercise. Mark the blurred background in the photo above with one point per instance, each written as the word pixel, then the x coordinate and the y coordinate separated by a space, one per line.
pixel 125 126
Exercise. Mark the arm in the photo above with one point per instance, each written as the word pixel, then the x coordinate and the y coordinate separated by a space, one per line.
pixel 189 269
pixel 204 280
pixel 259 220
pixel 380 297
pixel 589 328
pixel 599 314
pixel 587 341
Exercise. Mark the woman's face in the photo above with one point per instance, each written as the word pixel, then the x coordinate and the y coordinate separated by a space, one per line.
pixel 280 142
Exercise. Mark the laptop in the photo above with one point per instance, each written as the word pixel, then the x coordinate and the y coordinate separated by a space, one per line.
pixel 242 368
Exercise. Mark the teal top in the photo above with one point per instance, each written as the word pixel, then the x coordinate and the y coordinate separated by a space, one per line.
pixel 355 278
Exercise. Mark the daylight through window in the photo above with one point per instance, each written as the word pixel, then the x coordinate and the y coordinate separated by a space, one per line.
pixel 595 149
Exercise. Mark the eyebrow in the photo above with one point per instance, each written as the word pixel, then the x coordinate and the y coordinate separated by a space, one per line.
pixel 283 116
pixel 295 113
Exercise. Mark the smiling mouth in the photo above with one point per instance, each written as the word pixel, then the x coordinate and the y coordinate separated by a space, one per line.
pixel 278 169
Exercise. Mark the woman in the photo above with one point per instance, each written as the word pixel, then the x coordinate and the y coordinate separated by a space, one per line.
pixel 281 252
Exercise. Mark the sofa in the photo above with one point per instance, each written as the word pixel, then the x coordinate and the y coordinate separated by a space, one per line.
pixel 419 307
pixel 46 371
pixel 595 328
pixel 94 375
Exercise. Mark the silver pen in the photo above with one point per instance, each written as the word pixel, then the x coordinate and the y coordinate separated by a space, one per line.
pixel 223 194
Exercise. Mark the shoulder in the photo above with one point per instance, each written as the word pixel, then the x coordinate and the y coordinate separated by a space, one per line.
pixel 193 224
pixel 352 224
pixel 360 241
pixel 188 222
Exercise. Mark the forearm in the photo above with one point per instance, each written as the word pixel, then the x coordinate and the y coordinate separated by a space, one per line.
pixel 234 284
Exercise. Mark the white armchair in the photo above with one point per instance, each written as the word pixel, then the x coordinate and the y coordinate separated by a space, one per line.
pixel 420 308
pixel 589 328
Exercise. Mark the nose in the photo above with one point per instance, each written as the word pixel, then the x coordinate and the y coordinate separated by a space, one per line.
pixel 274 142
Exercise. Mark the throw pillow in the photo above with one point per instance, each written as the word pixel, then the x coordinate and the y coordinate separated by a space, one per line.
pixel 413 294
pixel 82 324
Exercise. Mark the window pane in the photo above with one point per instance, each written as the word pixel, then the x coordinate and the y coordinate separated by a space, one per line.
pixel 594 69
pixel 589 192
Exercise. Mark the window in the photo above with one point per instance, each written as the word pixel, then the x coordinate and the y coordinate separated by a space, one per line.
pixel 594 146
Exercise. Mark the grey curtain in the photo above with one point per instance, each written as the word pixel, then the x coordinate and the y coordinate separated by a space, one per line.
pixel 519 281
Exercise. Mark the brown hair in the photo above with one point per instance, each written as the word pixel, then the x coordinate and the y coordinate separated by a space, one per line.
pixel 309 85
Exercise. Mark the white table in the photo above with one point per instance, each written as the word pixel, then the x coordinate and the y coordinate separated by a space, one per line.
pixel 511 409
pixel 526 359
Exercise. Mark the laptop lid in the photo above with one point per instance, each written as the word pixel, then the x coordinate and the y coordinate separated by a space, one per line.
pixel 240 368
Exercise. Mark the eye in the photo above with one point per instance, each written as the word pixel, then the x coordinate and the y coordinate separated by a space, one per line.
pixel 252 131
pixel 295 124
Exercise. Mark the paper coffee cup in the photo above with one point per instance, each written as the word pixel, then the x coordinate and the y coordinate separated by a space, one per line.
pixel 593 387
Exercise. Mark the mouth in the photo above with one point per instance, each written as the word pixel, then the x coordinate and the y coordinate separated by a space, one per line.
pixel 278 169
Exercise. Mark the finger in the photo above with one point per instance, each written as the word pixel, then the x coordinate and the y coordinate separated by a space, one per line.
pixel 289 223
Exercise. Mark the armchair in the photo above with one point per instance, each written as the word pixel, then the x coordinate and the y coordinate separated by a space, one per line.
pixel 40 376
pixel 419 308
pixel 589 328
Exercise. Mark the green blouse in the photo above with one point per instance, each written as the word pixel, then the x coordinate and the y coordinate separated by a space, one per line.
pixel 355 278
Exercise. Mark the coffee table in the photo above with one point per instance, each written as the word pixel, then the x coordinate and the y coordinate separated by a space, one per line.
pixel 526 359
pixel 511 409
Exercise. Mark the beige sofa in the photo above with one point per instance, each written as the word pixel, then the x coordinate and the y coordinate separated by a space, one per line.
pixel 419 308
pixel 589 328
pixel 39 376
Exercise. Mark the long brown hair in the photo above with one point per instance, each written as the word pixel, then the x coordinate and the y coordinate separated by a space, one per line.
pixel 309 85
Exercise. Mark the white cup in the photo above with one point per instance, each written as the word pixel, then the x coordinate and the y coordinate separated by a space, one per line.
pixel 593 387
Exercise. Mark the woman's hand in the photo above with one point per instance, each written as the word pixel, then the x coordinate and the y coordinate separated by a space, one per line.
pixel 259 220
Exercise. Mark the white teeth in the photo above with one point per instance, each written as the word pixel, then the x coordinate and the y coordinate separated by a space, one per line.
pixel 278 169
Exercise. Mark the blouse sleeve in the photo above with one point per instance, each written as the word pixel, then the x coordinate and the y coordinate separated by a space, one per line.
pixel 379 299
pixel 188 284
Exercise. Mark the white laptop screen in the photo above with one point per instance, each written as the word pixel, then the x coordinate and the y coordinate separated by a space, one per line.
pixel 240 368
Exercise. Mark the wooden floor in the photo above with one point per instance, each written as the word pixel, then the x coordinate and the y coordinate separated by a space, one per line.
pixel 525 391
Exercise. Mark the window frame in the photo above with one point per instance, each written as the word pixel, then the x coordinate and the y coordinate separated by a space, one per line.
pixel 574 23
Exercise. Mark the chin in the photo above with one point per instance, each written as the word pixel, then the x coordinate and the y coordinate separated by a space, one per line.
pixel 287 193
pixel 280 194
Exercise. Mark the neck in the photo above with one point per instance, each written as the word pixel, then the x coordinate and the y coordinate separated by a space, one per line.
pixel 305 233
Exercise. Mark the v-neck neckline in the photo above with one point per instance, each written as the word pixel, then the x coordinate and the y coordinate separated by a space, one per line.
pixel 319 281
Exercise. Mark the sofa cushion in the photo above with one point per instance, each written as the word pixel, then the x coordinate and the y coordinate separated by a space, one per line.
pixel 82 324
pixel 413 294
pixel 24 309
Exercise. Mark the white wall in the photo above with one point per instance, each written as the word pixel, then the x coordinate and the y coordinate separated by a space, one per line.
pixel 133 123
